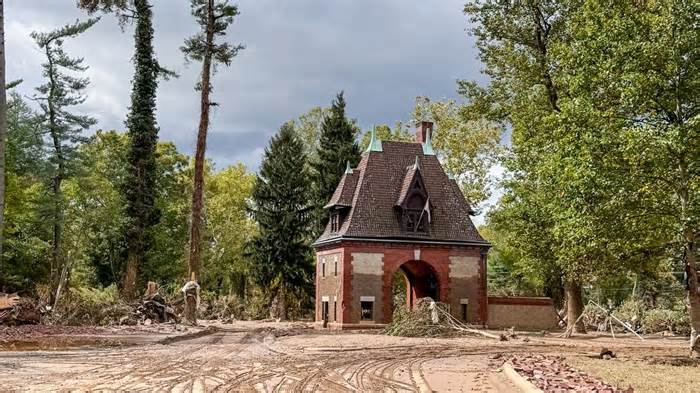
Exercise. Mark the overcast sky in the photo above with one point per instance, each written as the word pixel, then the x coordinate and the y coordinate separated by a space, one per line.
pixel 299 54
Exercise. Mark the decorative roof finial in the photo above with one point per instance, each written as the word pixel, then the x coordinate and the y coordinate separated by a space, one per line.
pixel 374 143
pixel 348 168
pixel 428 145
pixel 416 165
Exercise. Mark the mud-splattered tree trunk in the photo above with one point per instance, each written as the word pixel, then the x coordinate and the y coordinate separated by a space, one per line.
pixel 278 309
pixel 574 307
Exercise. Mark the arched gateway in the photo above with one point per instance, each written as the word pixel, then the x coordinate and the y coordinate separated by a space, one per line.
pixel 398 211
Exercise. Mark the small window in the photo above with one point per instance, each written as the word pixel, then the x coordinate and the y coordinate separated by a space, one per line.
pixel 335 310
pixel 464 308
pixel 324 311
pixel 335 271
pixel 367 311
pixel 335 222
pixel 323 268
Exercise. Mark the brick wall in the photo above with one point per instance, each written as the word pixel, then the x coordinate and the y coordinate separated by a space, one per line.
pixel 460 272
pixel 328 285
pixel 523 313
pixel 367 281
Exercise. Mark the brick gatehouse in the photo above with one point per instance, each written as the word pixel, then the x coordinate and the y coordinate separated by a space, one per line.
pixel 398 210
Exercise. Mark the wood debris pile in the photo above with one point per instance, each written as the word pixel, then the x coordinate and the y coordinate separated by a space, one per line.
pixel 551 374
pixel 16 310
pixel 429 318
pixel 152 308
pixel 417 322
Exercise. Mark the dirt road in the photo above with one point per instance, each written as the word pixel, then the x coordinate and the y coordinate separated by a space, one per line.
pixel 255 358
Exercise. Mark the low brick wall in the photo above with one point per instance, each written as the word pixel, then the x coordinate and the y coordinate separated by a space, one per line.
pixel 523 313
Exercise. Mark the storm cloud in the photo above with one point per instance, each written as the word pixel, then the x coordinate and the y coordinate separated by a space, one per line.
pixel 298 55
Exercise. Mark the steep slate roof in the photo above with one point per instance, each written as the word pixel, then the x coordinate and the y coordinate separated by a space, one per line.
pixel 411 172
pixel 344 192
pixel 376 185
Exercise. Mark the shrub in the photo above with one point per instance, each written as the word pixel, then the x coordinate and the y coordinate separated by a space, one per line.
pixel 91 306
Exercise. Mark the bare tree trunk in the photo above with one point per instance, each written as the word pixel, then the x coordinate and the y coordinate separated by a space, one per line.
pixel 198 192
pixel 130 275
pixel 574 307
pixel 3 137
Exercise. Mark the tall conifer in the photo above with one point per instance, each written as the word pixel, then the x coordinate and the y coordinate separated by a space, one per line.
pixel 281 254
pixel 61 91
pixel 214 17
pixel 139 184
pixel 337 147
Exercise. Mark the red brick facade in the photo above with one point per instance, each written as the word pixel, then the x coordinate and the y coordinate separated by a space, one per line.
pixel 435 257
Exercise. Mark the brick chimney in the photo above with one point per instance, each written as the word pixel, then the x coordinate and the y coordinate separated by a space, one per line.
pixel 424 129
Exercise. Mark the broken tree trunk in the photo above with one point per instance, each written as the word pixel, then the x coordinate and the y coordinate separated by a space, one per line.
pixel 191 293
pixel 574 307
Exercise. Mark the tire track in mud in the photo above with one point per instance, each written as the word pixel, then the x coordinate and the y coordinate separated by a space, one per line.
pixel 241 361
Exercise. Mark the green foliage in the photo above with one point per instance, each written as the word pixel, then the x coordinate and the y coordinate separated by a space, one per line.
pixel 196 47
pixel 467 147
pixel 385 133
pixel 308 127
pixel 336 147
pixel 229 230
pixel 61 91
pixel 91 306
pixel 139 187
pixel 281 255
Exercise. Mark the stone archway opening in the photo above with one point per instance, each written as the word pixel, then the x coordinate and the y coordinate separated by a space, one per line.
pixel 414 280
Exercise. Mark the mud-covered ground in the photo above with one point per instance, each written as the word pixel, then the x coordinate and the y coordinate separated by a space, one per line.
pixel 277 357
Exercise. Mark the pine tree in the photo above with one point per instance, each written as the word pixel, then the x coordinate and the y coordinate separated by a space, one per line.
pixel 214 18
pixel 280 253
pixel 139 185
pixel 337 147
pixel 64 129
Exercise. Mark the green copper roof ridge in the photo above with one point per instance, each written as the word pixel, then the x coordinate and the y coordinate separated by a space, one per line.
pixel 428 145
pixel 374 143
pixel 416 165
pixel 348 168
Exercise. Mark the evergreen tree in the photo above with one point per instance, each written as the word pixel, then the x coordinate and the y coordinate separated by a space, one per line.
pixel 140 182
pixel 337 147
pixel 64 129
pixel 280 253
pixel 213 18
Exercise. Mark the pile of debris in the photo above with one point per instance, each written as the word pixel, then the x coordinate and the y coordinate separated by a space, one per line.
pixel 16 310
pixel 429 318
pixel 90 306
pixel 422 321
pixel 152 308
pixel 551 374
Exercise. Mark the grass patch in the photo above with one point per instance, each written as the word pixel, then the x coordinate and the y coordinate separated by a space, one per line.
pixel 641 375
